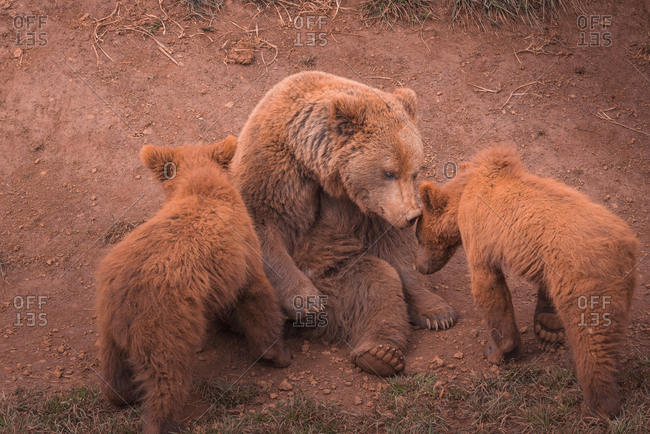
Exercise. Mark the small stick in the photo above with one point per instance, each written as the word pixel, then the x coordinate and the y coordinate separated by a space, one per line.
pixel 386 78
pixel 604 116
pixel 483 89
pixel 516 89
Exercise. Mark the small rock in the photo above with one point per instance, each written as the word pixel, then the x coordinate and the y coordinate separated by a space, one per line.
pixel 93 170
pixel 438 361
pixel 304 348
pixel 357 400
pixel 369 404
pixel 38 160
pixel 17 53
pixel 285 385
pixel 458 355
pixel 273 395
pixel 93 197
pixel 326 391
pixel 523 330
pixel 138 176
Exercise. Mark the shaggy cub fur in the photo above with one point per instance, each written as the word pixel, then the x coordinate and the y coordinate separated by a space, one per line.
pixel 581 256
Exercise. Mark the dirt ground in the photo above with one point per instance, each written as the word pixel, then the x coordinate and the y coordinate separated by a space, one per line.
pixel 573 97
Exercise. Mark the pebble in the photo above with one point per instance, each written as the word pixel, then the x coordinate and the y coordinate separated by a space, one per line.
pixel 285 385
pixel 458 355
pixel 273 395
pixel 357 400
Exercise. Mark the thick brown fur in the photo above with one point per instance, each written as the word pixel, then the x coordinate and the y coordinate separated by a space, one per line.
pixel 581 256
pixel 326 167
pixel 197 258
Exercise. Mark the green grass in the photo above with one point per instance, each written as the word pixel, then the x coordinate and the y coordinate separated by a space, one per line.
pixel 519 399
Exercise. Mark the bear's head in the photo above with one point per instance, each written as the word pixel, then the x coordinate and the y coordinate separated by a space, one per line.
pixel 173 166
pixel 437 229
pixel 379 153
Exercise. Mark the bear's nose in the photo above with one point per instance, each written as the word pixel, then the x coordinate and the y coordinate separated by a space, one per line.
pixel 411 221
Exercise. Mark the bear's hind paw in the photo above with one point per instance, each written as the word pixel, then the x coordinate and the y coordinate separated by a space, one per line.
pixel 549 330
pixel 382 360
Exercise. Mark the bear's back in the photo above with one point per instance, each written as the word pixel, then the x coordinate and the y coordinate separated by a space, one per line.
pixel 527 220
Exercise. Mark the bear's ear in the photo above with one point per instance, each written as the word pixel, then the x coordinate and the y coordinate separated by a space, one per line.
pixel 347 114
pixel 161 160
pixel 408 99
pixel 433 198
pixel 223 151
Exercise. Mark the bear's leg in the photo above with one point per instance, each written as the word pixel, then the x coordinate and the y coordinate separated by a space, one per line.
pixel 493 296
pixel 426 309
pixel 291 285
pixel 548 327
pixel 117 376
pixel 161 355
pixel 595 324
pixel 370 309
pixel 258 315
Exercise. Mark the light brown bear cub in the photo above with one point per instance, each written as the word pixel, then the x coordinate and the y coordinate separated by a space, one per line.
pixel 197 258
pixel 581 256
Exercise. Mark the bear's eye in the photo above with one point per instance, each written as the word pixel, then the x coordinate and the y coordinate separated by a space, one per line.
pixel 389 175
pixel 415 176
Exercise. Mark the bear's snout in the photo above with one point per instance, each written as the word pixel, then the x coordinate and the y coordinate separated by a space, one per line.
pixel 412 216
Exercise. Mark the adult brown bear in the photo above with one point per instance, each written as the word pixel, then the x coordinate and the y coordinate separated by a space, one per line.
pixel 581 256
pixel 326 167
pixel 198 257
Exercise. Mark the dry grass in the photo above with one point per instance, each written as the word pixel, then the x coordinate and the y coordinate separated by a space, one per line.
pixel 119 230
pixel 531 12
pixel 520 399
pixel 389 11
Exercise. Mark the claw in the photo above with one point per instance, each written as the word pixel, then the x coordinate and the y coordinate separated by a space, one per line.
pixel 428 324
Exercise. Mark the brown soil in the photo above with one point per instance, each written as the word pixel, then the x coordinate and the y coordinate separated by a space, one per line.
pixel 74 121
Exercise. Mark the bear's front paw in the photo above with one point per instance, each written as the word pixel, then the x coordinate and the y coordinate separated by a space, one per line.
pixel 382 360
pixel 279 355
pixel 496 354
pixel 307 308
pixel 439 316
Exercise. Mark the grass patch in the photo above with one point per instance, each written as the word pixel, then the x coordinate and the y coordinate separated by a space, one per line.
pixel 203 8
pixel 321 7
pixel 81 410
pixel 494 12
pixel 389 11
pixel 519 399
pixel 119 230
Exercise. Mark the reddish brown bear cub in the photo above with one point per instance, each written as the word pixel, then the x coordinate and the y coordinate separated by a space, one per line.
pixel 197 258
pixel 581 256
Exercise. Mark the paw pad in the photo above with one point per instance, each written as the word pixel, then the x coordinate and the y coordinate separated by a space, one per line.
pixel 382 360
